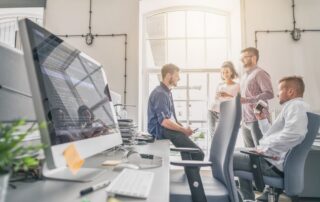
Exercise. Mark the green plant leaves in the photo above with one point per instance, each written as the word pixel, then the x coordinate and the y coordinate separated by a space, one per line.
pixel 14 155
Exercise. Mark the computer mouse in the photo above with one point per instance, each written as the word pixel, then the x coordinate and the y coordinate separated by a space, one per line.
pixel 122 166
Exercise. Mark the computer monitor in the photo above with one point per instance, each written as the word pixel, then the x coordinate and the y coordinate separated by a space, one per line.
pixel 15 95
pixel 70 93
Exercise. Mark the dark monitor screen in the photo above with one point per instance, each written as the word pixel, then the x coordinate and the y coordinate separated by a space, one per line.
pixel 75 92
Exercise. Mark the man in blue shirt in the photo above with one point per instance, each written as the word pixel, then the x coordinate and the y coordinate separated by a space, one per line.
pixel 162 120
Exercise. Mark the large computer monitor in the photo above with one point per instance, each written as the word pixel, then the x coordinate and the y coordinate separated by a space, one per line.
pixel 70 93
pixel 15 95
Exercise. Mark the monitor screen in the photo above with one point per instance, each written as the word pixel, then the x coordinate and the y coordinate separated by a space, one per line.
pixel 78 102
pixel 71 94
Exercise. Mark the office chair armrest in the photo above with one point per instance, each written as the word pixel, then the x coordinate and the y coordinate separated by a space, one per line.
pixel 253 153
pixel 256 170
pixel 191 163
pixel 185 149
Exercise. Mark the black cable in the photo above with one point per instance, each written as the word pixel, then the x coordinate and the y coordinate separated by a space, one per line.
pixel 295 32
pixel 89 41
pixel 90 13
pixel 293 15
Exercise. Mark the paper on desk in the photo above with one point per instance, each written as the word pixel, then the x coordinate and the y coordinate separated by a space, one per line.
pixel 73 158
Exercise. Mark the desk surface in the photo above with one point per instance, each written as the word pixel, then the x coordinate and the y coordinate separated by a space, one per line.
pixel 53 191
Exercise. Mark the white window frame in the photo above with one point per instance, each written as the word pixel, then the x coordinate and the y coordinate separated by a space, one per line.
pixel 13 17
pixel 147 70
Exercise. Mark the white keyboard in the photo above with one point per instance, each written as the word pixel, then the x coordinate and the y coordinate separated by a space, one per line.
pixel 132 183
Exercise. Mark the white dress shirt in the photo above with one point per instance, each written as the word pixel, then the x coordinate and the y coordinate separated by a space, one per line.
pixel 287 131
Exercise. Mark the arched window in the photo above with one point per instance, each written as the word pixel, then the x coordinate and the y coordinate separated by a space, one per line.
pixel 9 23
pixel 198 41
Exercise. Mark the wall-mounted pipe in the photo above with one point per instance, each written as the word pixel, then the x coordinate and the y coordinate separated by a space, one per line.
pixel 295 32
pixel 89 37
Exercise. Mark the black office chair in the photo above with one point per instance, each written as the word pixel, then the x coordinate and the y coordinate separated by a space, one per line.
pixel 221 187
pixel 293 181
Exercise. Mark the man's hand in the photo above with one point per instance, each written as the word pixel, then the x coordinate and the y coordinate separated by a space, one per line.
pixel 261 115
pixel 187 131
pixel 224 94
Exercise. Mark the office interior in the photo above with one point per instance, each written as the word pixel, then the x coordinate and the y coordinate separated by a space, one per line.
pixel 132 39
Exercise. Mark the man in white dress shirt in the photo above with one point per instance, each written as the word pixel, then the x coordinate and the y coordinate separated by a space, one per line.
pixel 287 131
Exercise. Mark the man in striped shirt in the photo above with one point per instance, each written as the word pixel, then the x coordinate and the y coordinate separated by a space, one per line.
pixel 255 85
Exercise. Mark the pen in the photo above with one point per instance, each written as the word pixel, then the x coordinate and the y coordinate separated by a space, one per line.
pixel 94 187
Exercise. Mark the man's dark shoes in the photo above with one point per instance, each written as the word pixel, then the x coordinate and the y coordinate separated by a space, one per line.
pixel 264 195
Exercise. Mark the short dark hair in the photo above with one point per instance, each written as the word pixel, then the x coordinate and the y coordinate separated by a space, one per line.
pixel 229 64
pixel 169 68
pixel 253 51
pixel 295 82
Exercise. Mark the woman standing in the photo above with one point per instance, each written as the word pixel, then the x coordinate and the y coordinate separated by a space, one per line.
pixel 226 90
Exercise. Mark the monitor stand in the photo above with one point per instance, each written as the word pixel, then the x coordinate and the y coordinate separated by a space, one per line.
pixel 64 174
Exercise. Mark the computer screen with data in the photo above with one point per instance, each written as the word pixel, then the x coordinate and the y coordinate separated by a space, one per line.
pixel 71 94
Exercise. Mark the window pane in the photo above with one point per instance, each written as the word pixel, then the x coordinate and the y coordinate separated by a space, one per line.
pixel 198 111
pixel 154 80
pixel 9 23
pixel 156 26
pixel 177 52
pixel 155 53
pixel 198 86
pixel 180 92
pixel 196 53
pixel 216 52
pixel 176 24
pixel 195 24
pixel 180 108
pixel 215 25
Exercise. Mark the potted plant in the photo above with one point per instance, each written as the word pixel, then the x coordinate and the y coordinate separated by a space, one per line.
pixel 15 156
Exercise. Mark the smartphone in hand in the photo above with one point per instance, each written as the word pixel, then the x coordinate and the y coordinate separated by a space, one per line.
pixel 195 130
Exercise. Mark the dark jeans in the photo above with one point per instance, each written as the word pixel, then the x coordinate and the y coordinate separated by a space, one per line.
pixel 241 162
pixel 251 134
pixel 178 139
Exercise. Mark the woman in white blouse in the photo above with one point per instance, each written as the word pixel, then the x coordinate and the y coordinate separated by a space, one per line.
pixel 225 90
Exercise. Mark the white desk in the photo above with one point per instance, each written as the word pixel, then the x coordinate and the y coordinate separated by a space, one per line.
pixel 54 191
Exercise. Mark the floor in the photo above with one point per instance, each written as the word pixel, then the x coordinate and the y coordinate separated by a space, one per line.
pixel 284 198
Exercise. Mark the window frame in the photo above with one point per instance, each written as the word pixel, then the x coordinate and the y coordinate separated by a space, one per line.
pixel 147 70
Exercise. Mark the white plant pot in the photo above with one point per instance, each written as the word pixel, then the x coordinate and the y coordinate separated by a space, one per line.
pixel 4 181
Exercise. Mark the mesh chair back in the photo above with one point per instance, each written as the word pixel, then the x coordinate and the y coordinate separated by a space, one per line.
pixel 223 144
pixel 295 160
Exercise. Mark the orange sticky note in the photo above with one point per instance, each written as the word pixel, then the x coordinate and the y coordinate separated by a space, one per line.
pixel 73 158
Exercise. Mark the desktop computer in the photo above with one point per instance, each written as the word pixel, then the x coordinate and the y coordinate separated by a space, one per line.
pixel 15 94
pixel 70 93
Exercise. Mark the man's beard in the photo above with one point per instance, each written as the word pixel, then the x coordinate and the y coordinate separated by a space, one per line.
pixel 249 64
pixel 172 83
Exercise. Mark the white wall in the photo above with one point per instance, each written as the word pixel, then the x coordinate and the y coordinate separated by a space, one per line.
pixel 279 54
pixel 108 17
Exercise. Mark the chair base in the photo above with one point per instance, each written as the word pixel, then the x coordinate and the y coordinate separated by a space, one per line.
pixel 180 191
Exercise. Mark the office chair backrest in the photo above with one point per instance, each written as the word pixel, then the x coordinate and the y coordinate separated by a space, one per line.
pixel 295 160
pixel 223 143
